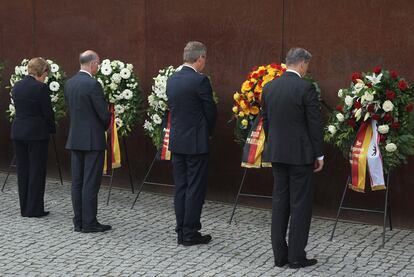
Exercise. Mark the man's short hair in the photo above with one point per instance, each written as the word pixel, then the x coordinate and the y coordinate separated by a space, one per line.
pixel 297 55
pixel 38 66
pixel 194 50
pixel 87 58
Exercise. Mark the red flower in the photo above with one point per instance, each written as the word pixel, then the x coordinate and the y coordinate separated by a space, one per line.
pixel 376 117
pixel 390 94
pixel 371 108
pixel 357 105
pixel 254 68
pixel 251 84
pixel 355 76
pixel 255 76
pixel 262 72
pixel 369 85
pixel 351 122
pixel 410 107
pixel 377 70
pixel 396 125
pixel 273 65
pixel 383 138
pixel 339 108
pixel 393 74
pixel 388 117
pixel 402 85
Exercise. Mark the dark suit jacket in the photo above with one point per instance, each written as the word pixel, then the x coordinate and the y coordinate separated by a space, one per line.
pixel 35 119
pixel 292 120
pixel 89 115
pixel 193 111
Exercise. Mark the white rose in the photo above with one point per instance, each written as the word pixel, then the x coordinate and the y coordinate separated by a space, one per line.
pixel 127 94
pixel 358 87
pixel 106 70
pixel 332 129
pixel 116 78
pixel 162 105
pixel 113 86
pixel 383 129
pixel 121 64
pixel 148 126
pixel 125 73
pixel 54 86
pixel 368 96
pixel 119 109
pixel 387 106
pixel 391 147
pixel 119 122
pixel 17 70
pixel 129 66
pixel 349 101
pixel 12 109
pixel 340 117
pixel 157 119
pixel 54 68
pixel 54 98
pixel 340 93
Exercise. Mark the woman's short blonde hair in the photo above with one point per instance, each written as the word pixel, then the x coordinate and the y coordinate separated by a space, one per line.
pixel 38 66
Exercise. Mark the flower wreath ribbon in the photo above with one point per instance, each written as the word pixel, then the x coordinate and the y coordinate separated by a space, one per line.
pixel 115 152
pixel 365 150
pixel 164 153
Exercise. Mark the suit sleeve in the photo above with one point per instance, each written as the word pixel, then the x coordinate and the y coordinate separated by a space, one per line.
pixel 209 107
pixel 263 113
pixel 100 105
pixel 47 110
pixel 314 120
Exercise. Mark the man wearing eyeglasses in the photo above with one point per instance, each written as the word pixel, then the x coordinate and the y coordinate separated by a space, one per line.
pixel 89 118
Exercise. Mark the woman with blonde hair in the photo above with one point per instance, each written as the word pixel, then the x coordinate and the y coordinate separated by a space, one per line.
pixel 30 132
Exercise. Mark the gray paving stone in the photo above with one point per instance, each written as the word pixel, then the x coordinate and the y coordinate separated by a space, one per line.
pixel 143 242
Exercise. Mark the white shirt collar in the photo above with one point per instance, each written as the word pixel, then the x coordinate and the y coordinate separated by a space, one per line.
pixel 190 67
pixel 294 71
pixel 85 72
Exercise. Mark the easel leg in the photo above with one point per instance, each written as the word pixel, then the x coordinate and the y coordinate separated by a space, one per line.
pixel 340 207
pixel 386 210
pixel 12 163
pixel 143 181
pixel 238 195
pixel 57 160
pixel 110 186
pixel 129 168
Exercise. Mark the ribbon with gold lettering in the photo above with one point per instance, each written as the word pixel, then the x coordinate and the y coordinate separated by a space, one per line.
pixel 115 152
pixel 254 146
pixel 164 153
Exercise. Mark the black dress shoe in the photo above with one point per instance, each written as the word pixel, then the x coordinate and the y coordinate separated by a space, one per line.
pixel 281 263
pixel 96 228
pixel 197 239
pixel 39 215
pixel 304 263
pixel 77 228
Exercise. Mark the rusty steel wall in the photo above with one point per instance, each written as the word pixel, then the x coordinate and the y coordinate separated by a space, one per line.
pixel 343 36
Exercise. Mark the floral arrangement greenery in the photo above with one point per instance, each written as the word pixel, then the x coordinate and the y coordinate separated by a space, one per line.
pixel 157 105
pixel 121 89
pixel 381 95
pixel 55 80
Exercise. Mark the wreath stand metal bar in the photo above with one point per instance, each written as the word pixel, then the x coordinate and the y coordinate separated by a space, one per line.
pixel 144 181
pixel 111 176
pixel 386 212
pixel 240 193
pixel 13 164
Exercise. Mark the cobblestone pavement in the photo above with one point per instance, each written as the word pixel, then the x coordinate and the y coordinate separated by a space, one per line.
pixel 143 243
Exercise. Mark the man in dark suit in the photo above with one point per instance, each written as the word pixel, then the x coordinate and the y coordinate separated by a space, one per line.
pixel 193 115
pixel 89 119
pixel 294 134
pixel 30 132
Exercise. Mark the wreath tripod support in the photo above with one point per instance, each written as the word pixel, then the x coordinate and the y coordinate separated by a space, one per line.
pixel 386 211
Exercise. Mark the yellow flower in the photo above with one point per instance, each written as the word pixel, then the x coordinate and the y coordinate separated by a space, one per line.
pixel 241 114
pixel 246 86
pixel 250 96
pixel 244 122
pixel 254 110
pixel 236 96
pixel 235 109
pixel 243 105
pixel 283 65
pixel 258 89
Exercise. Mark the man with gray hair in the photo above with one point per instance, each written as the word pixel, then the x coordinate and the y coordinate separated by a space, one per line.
pixel 89 118
pixel 193 116
pixel 294 134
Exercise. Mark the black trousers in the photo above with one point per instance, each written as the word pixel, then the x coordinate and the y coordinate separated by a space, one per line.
pixel 87 169
pixel 31 158
pixel 190 178
pixel 292 198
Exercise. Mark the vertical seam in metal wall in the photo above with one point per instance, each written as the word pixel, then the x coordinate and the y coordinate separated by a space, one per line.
pixel 146 161
pixel 283 32
pixel 34 52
